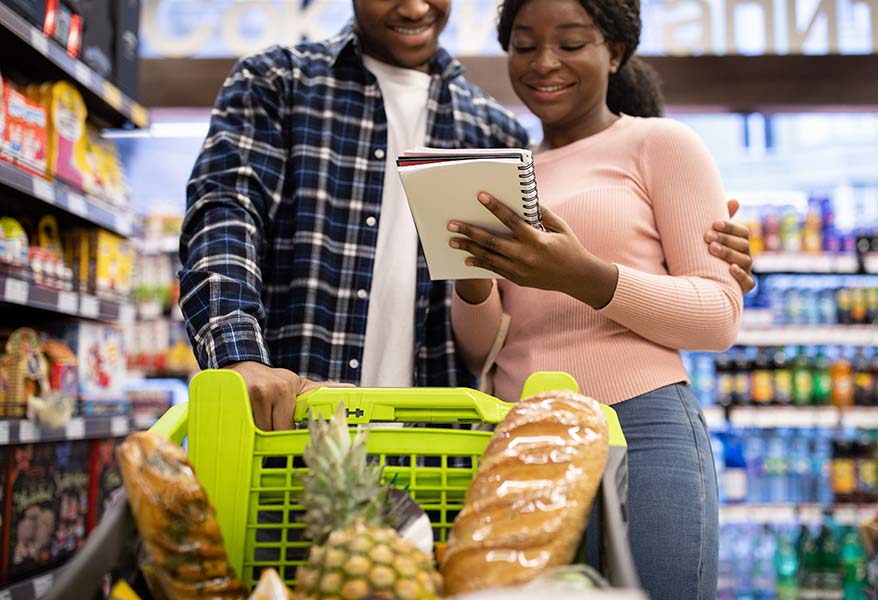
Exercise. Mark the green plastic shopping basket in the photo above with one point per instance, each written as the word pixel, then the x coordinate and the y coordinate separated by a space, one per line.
pixel 253 476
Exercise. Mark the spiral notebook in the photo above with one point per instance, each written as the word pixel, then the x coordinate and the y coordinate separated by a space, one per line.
pixel 443 185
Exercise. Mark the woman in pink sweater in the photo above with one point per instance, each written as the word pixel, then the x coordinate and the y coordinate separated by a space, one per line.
pixel 619 282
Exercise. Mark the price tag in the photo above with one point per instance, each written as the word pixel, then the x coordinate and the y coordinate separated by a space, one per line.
pixel 139 116
pixel 112 95
pixel 4 433
pixel 16 291
pixel 43 190
pixel 127 313
pixel 39 42
pixel 143 422
pixel 27 432
pixel 75 429
pixel 89 307
pixel 76 204
pixel 42 585
pixel 68 302
pixel 119 426
pixel 82 73
pixel 123 225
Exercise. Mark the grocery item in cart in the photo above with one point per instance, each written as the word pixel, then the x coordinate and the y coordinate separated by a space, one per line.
pixel 186 556
pixel 356 552
pixel 528 505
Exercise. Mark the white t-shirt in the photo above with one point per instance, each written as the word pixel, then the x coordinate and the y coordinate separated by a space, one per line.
pixel 388 355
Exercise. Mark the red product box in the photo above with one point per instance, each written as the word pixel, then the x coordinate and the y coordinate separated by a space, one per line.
pixel 106 479
pixel 24 129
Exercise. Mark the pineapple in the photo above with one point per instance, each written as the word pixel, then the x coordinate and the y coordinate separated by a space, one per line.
pixel 356 554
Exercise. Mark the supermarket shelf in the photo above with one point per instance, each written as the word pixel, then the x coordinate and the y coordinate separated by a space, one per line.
pixel 23 293
pixel 42 57
pixel 22 431
pixel 846 335
pixel 791 514
pixel 805 263
pixel 29 589
pixel 89 208
pixel 792 417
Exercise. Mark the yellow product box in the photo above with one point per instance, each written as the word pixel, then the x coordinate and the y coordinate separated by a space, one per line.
pixel 68 142
pixel 102 262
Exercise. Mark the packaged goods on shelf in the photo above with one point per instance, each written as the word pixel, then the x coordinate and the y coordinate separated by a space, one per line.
pixel 68 142
pixel 98 37
pixel 126 22
pixel 63 23
pixel 100 361
pixel 31 506
pixel 23 130
pixel 106 480
pixel 71 471
pixel 62 367
pixel 14 247
pixel 4 518
pixel 102 262
pixel 24 372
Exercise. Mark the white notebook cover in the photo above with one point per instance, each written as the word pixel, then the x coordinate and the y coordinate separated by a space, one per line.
pixel 441 192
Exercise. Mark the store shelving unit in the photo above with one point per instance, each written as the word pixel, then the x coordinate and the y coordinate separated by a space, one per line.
pixel 28 589
pixel 792 417
pixel 800 262
pixel 793 514
pixel 91 209
pixel 71 304
pixel 41 57
pixel 847 335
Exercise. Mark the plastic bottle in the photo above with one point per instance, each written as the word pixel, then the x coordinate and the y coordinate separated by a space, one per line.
pixel 853 562
pixel 843 303
pixel 864 381
pixel 776 467
pixel 743 369
pixel 725 379
pixel 763 576
pixel 844 473
pixel 790 231
pixel 799 469
pixel 755 457
pixel 771 231
pixel 735 471
pixel 783 378
pixel 762 379
pixel 719 462
pixel 809 566
pixel 841 373
pixel 803 383
pixel 786 567
pixel 812 230
pixel 820 377
pixel 821 468
pixel 866 469
pixel 858 306
pixel 705 378
pixel 829 562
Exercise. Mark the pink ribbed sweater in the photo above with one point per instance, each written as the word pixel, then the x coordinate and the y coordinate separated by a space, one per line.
pixel 640 194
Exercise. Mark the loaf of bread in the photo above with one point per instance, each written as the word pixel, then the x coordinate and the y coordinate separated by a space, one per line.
pixel 528 505
pixel 187 558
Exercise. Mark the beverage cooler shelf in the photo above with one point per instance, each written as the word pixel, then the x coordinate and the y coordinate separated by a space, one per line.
pixel 810 335
pixel 793 514
pixel 792 417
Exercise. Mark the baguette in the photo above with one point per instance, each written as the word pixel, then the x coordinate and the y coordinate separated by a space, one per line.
pixel 528 505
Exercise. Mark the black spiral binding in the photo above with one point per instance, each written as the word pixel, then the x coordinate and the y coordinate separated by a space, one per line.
pixel 529 197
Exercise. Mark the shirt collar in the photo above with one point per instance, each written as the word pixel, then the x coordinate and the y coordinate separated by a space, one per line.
pixel 347 40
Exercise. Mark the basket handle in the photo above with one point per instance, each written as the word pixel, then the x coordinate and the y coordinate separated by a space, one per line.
pixel 402 405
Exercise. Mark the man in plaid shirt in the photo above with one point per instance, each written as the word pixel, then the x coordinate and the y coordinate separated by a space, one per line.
pixel 300 259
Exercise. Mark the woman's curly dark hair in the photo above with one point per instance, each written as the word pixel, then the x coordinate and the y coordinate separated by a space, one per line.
pixel 635 89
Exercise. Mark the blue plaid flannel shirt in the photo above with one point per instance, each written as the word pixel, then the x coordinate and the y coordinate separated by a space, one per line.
pixel 283 206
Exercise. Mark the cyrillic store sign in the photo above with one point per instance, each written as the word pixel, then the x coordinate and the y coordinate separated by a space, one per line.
pixel 226 28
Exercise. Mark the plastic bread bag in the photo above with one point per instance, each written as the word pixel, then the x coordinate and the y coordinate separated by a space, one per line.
pixel 184 552
pixel 527 507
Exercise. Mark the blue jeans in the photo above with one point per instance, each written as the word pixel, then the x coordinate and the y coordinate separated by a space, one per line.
pixel 672 496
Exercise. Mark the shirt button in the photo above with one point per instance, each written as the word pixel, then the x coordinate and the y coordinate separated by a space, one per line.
pixel 361 294
pixel 370 221
pixel 379 153
pixel 354 364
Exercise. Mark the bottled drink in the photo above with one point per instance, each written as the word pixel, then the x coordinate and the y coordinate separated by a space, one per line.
pixel 754 458
pixel 786 565
pixel 725 379
pixel 812 231
pixel 776 467
pixel 743 368
pixel 735 471
pixel 762 379
pixel 864 381
pixel 763 575
pixel 867 470
pixel 809 565
pixel 790 231
pixel 829 563
pixel 803 384
pixel 827 308
pixel 844 473
pixel 872 305
pixel 771 231
pixel 799 470
pixel 821 468
pixel 844 303
pixel 858 306
pixel 783 378
pixel 841 373
pixel 853 561
pixel 821 379
pixel 873 371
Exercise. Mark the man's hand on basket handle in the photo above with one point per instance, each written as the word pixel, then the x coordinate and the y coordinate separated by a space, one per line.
pixel 273 393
